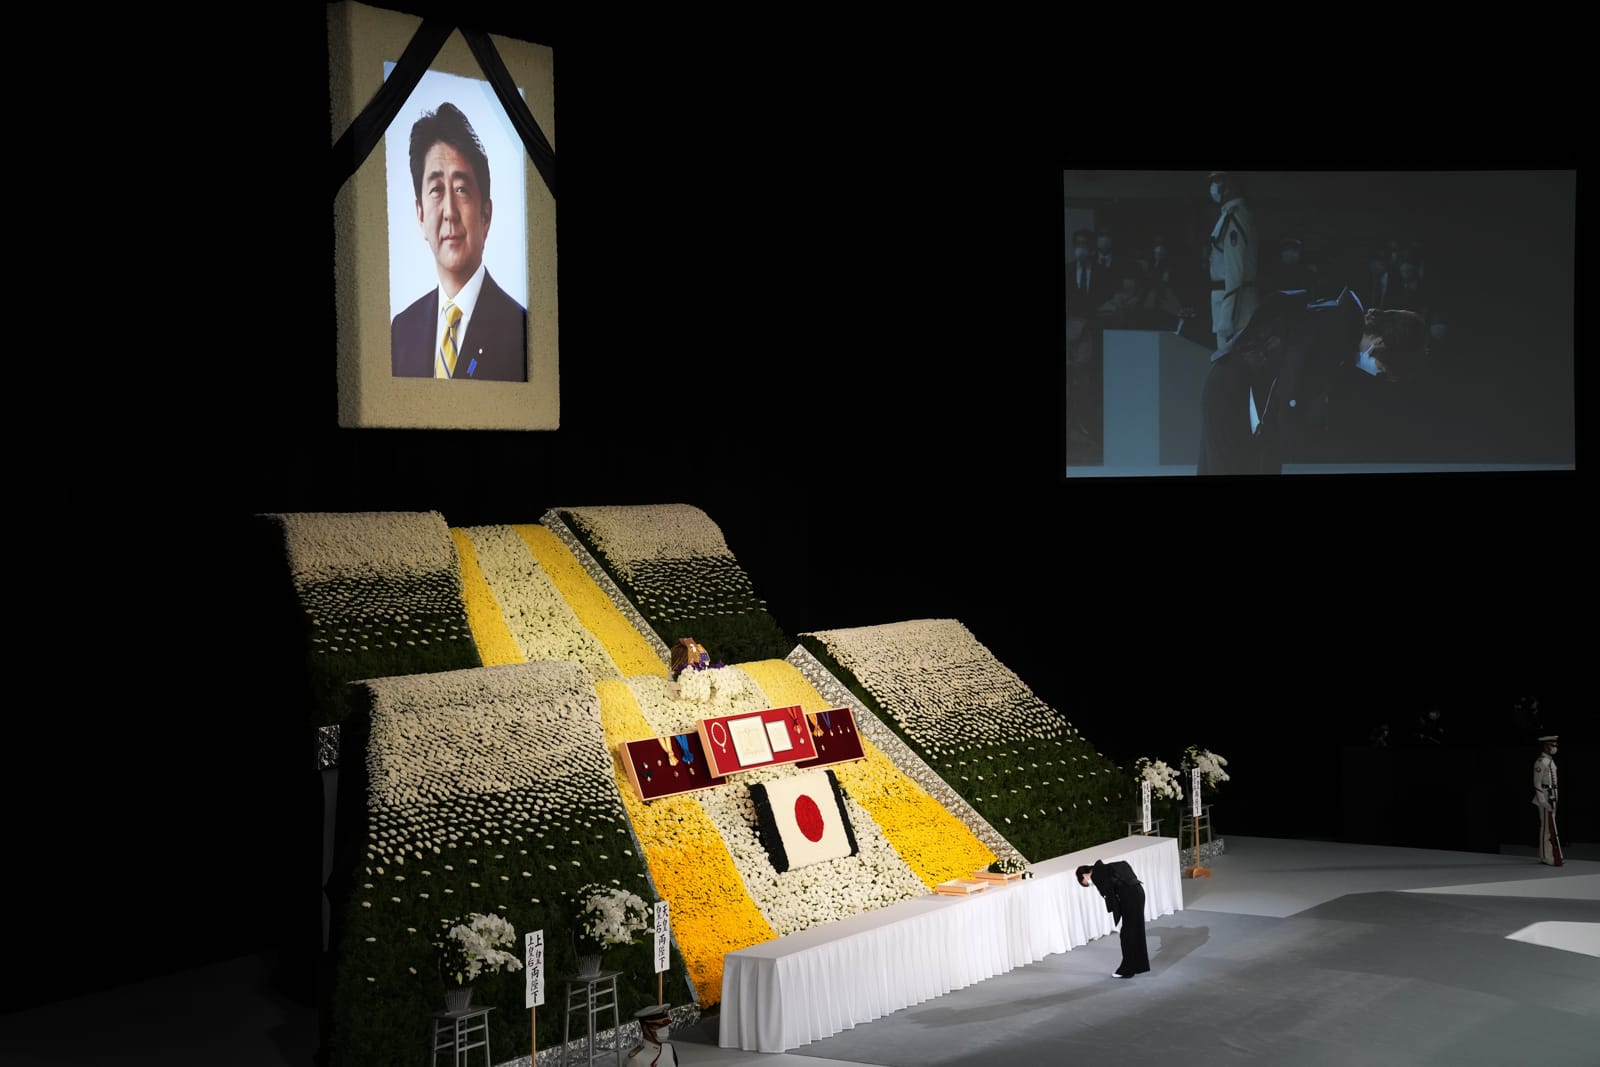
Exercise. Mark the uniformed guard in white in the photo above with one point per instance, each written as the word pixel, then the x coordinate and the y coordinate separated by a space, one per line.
pixel 1544 798
pixel 1235 263
pixel 655 1026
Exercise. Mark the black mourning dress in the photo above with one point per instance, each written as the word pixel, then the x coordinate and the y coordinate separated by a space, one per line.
pixel 1124 896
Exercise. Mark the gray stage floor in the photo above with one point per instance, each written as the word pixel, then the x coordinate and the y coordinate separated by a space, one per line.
pixel 1293 952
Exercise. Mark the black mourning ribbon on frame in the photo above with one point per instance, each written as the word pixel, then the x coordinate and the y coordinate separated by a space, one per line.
pixel 357 142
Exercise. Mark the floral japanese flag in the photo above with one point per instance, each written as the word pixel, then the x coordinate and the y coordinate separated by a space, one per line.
pixel 802 819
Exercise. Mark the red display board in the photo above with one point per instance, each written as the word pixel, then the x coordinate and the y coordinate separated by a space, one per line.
pixel 756 739
pixel 833 734
pixel 666 766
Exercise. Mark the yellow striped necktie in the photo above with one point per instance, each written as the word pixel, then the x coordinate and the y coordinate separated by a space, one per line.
pixel 447 349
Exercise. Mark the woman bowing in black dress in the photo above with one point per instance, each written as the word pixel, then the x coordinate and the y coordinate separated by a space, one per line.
pixel 1124 896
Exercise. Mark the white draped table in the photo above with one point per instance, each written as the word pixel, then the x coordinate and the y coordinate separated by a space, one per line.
pixel 794 990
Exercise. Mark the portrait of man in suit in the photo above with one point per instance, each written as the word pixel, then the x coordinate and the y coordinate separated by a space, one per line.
pixel 468 327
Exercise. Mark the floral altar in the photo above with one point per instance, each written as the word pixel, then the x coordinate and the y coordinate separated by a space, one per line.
pixel 494 789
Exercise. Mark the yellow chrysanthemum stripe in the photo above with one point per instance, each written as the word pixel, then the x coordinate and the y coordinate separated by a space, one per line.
pixel 629 649
pixel 712 914
pixel 935 844
pixel 496 646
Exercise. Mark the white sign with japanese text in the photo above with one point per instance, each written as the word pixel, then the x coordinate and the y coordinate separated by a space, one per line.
pixel 662 933
pixel 533 963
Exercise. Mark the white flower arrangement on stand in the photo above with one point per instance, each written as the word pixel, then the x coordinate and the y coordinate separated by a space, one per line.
pixel 471 947
pixel 608 916
pixel 1210 765
pixel 1163 779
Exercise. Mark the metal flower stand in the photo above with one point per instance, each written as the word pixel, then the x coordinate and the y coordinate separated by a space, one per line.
pixel 1191 828
pixel 459 1033
pixel 590 996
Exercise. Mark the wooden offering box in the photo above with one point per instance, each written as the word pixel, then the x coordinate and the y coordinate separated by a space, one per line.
pixel 666 766
pixel 833 733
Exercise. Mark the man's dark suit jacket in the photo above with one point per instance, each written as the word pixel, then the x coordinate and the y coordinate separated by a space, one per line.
pixel 1113 880
pixel 1321 340
pixel 1082 304
pixel 1296 353
pixel 494 348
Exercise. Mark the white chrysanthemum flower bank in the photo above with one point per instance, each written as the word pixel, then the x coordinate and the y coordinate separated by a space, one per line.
pixel 485 730
pixel 503 769
pixel 538 617
pixel 400 544
pixel 382 595
pixel 630 536
pixel 673 558
pixel 356 602
pixel 945 689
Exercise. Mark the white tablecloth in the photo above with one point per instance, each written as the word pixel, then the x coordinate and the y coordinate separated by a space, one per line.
pixel 794 990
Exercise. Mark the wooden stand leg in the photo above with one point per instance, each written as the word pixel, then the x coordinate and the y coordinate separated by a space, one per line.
pixel 1197 871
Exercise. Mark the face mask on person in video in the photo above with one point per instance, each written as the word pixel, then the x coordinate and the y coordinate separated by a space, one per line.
pixel 1216 192
pixel 1439 330
pixel 1289 256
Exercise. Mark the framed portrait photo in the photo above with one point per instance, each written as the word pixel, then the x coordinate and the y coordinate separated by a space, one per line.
pixel 445 242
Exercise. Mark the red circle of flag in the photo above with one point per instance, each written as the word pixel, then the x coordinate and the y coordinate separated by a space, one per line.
pixel 802 819
pixel 808 817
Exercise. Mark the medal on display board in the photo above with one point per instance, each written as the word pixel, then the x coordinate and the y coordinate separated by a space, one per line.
pixel 836 738
pixel 646 761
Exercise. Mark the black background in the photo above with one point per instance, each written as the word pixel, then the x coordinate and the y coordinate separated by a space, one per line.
pixel 809 276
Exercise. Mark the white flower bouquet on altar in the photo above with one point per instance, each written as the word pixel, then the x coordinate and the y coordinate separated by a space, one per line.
pixel 610 915
pixel 701 682
pixel 1210 764
pixel 474 946
pixel 1164 784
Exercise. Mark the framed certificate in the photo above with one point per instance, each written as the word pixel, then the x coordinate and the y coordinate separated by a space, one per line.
pixel 756 739
pixel 749 737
